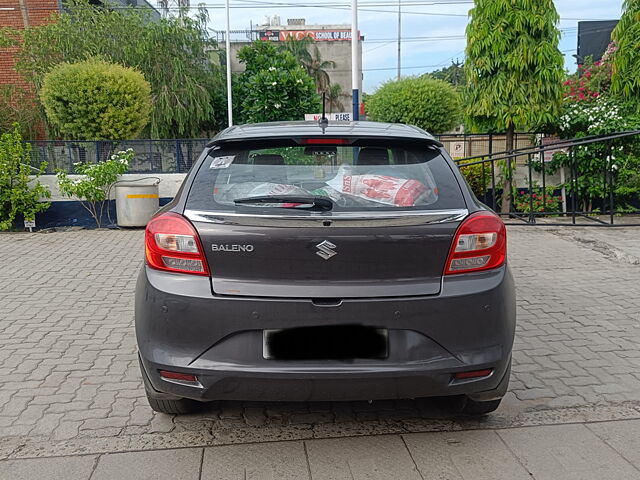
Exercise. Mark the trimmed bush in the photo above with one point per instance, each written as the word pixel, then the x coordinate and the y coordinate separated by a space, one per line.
pixel 425 102
pixel 95 100
pixel 478 175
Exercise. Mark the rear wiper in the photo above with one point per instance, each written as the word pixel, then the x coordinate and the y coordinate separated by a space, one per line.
pixel 289 201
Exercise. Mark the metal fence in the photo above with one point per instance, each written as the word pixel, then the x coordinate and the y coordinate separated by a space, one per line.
pixel 151 156
pixel 177 155
pixel 535 177
pixel 530 183
pixel 462 145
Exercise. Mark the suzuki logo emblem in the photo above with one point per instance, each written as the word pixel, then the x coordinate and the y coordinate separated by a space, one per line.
pixel 325 249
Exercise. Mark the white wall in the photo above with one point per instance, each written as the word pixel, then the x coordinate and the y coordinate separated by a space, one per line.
pixel 168 187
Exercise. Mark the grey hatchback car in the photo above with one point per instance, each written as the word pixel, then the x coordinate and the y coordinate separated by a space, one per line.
pixel 303 262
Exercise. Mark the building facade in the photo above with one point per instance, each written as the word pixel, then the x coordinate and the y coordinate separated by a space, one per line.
pixel 593 39
pixel 20 14
pixel 333 43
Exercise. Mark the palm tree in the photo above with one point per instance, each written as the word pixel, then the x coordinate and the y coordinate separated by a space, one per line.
pixel 313 64
pixel 317 68
pixel 299 49
pixel 334 95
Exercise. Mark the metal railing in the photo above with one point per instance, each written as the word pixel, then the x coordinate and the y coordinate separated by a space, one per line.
pixel 177 155
pixel 532 174
pixel 563 183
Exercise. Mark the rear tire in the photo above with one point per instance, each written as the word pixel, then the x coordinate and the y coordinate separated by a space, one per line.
pixel 472 407
pixel 180 406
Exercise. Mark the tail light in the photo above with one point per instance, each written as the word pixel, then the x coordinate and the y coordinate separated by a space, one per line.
pixel 480 244
pixel 173 245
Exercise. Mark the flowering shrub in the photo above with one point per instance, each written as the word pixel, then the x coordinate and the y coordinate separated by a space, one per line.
pixel 541 203
pixel 590 109
pixel 20 190
pixel 601 116
pixel 273 86
pixel 592 80
pixel 97 180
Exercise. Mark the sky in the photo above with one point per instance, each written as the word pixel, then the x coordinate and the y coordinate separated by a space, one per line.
pixel 432 30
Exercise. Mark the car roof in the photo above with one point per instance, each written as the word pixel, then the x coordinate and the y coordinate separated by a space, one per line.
pixel 255 131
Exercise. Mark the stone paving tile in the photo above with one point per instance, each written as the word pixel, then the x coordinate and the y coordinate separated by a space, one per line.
pixel 372 458
pixel 281 460
pixel 569 452
pixel 478 455
pixel 73 468
pixel 68 366
pixel 623 437
pixel 180 464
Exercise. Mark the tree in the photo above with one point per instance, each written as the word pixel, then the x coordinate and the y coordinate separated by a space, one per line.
pixel 95 182
pixel 96 100
pixel 273 86
pixel 172 53
pixel 18 106
pixel 430 104
pixel 299 48
pixel 453 74
pixel 20 190
pixel 315 66
pixel 514 69
pixel 334 96
pixel 626 61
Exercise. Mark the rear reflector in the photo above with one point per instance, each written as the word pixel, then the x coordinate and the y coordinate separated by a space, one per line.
pixel 473 374
pixel 185 377
pixel 186 264
pixel 471 263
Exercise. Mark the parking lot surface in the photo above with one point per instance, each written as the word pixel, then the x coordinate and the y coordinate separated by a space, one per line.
pixel 70 385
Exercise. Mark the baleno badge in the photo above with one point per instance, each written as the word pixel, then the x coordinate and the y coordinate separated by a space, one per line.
pixel 231 248
pixel 325 249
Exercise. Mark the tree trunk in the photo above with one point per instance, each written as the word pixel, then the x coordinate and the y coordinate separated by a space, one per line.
pixel 508 174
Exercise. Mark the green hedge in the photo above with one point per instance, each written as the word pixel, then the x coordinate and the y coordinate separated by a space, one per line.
pixel 95 100
pixel 425 102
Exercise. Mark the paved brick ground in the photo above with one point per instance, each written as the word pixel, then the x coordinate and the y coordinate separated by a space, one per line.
pixel 69 380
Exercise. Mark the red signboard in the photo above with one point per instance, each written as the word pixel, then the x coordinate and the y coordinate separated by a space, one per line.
pixel 316 35
pixel 270 35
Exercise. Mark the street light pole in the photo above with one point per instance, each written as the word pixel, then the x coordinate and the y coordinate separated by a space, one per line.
pixel 399 35
pixel 228 51
pixel 355 66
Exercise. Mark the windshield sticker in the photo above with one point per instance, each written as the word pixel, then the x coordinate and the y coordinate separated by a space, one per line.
pixel 222 162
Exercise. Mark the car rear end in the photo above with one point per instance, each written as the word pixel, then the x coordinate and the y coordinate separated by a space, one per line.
pixel 335 266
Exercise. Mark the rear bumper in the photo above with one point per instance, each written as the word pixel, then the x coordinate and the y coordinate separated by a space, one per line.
pixel 181 326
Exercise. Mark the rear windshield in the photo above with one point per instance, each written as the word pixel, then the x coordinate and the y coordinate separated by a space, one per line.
pixel 284 180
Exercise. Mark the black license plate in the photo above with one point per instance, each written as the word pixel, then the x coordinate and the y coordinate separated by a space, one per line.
pixel 337 342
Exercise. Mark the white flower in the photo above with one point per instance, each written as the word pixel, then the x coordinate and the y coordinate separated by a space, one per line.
pixel 277 105
pixel 274 83
pixel 272 69
pixel 299 80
